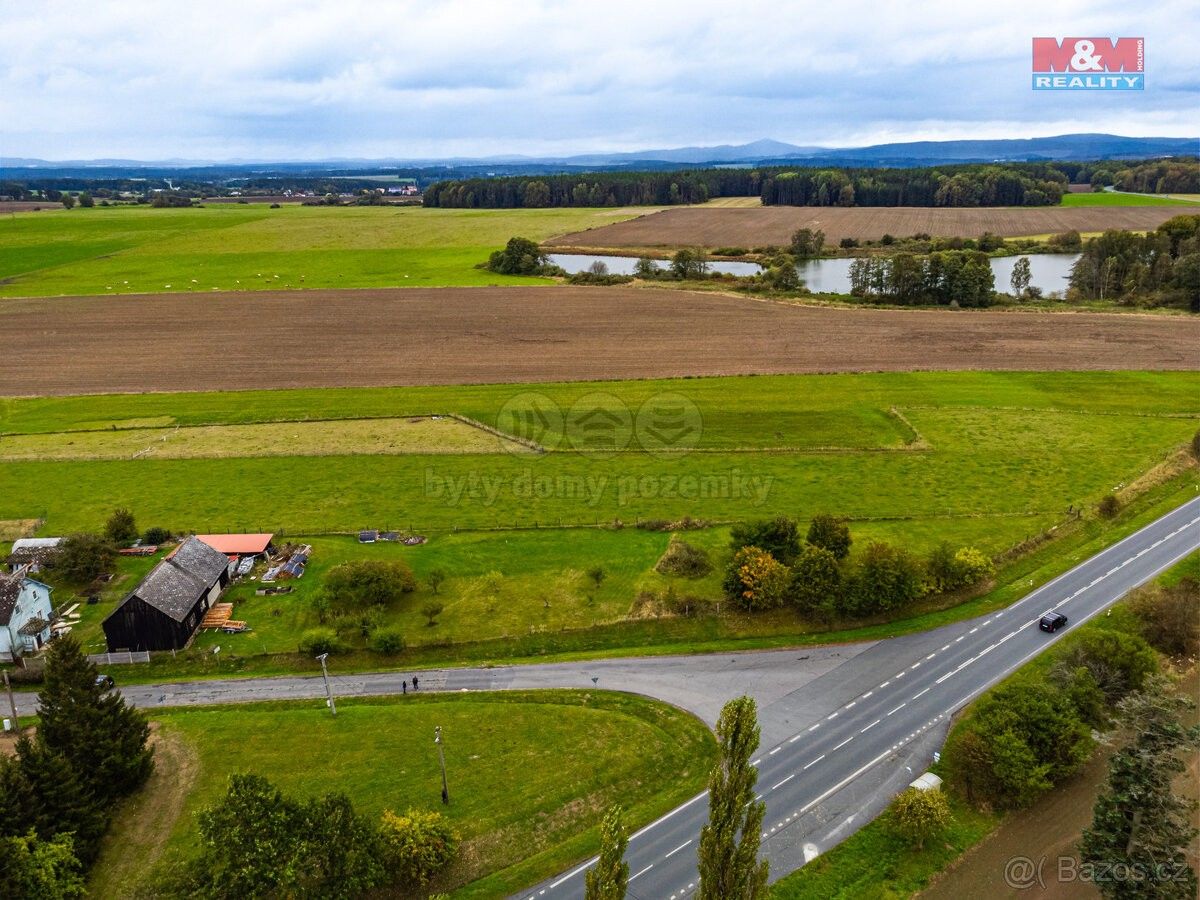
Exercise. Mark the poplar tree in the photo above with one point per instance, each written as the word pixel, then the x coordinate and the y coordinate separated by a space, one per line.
pixel 609 878
pixel 729 864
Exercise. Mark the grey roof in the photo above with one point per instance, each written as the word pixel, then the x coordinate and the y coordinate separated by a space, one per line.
pixel 176 583
pixel 10 590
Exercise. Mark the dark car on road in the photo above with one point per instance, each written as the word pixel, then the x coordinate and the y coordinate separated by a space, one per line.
pixel 1052 622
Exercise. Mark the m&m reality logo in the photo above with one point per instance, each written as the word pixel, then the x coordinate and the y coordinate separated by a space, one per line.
pixel 1089 64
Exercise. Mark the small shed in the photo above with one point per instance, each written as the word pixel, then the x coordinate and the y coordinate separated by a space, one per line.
pixel 32 552
pixel 165 609
pixel 240 545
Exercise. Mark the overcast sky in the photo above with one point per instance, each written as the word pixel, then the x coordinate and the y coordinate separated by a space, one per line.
pixel 310 79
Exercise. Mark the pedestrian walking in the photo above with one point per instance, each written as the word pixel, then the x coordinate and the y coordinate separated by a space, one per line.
pixel 414 682
pixel 404 685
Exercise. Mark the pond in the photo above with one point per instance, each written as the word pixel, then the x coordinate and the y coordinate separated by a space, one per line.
pixel 1048 271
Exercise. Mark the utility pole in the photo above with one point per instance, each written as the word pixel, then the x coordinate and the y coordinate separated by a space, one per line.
pixel 328 690
pixel 437 739
pixel 12 702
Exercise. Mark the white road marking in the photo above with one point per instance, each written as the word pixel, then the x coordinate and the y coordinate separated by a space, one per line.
pixel 813 763
pixel 677 849
pixel 869 727
pixel 785 781
pixel 643 872
pixel 844 743
pixel 898 708
pixel 922 694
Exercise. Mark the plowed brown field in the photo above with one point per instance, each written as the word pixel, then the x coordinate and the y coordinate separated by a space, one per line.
pixel 171 342
pixel 773 225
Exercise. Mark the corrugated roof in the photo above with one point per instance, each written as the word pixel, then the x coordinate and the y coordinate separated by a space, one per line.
pixel 10 590
pixel 237 544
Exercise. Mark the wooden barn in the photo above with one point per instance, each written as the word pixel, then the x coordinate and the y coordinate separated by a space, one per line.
pixel 165 609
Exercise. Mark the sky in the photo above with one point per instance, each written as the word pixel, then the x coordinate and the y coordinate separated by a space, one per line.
pixel 319 79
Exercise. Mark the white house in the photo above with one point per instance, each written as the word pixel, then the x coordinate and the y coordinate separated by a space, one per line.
pixel 25 610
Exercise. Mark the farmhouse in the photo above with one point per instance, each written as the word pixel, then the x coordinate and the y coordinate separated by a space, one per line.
pixel 32 552
pixel 165 609
pixel 24 614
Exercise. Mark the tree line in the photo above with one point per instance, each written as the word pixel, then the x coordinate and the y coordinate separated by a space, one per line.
pixel 1011 184
pixel 1163 265
pixel 774 567
pixel 964 277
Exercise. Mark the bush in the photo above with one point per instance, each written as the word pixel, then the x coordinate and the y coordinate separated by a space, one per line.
pixel 389 641
pixel 919 815
pixel 316 641
pixel 431 611
pixel 1109 506
pixel 156 536
pixel 1117 662
pixel 755 580
pixel 816 584
pixel 779 537
pixel 353 586
pixel 886 579
pixel 520 256
pixel 683 560
pixel 1167 617
pixel 830 533
pixel 416 845
pixel 121 528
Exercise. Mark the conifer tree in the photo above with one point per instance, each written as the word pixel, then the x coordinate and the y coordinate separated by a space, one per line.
pixel 729 864
pixel 609 878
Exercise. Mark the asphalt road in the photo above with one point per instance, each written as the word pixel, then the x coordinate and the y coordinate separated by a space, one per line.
pixel 844 727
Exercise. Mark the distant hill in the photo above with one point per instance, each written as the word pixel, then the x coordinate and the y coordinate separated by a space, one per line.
pixel 765 151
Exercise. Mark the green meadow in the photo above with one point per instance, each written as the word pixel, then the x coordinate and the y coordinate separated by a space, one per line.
pixel 1115 198
pixel 253 247
pixel 577 753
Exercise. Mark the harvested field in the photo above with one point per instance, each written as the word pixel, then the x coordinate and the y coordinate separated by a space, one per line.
pixel 13 206
pixel 274 339
pixel 710 226
pixel 348 437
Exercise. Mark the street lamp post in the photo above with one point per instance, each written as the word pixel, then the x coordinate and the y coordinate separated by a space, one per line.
pixel 328 689
pixel 437 739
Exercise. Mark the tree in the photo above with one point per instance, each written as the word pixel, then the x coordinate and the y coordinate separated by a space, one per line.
pixel 729 864
pixel 755 580
pixel 54 798
pixel 121 528
pixel 68 201
pixel 1021 276
pixel 389 641
pixel 431 611
pixel 416 845
pixel 830 533
pixel 688 263
pixel 887 578
pixel 435 578
pixel 1167 617
pixel 156 535
pixel 82 558
pixel 609 878
pixel 85 200
pixel 520 256
pixel 36 869
pixel 1109 506
pixel 91 726
pixel 1139 825
pixel 816 582
pixel 779 536
pixel 807 243
pixel 646 268
pixel 354 586
pixel 1118 662
pixel 920 815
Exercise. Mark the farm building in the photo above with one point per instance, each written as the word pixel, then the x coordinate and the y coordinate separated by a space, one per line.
pixel 240 545
pixel 32 552
pixel 24 614
pixel 165 609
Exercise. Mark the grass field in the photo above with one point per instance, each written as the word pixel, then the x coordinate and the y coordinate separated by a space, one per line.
pixel 252 247
pixel 972 458
pixel 351 437
pixel 1116 198
pixel 576 753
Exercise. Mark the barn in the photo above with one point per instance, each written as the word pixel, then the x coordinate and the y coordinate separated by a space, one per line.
pixel 165 609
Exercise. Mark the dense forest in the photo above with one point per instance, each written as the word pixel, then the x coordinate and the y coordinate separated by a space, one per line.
pixel 1018 184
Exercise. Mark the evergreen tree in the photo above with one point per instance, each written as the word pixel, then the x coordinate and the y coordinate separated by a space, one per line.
pixel 609 878
pixel 729 864
pixel 91 726
pixel 57 800
pixel 1139 825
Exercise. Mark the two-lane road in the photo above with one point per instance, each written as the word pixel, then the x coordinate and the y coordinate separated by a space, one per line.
pixel 801 776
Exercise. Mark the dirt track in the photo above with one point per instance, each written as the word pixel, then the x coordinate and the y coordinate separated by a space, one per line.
pixel 773 225
pixel 171 342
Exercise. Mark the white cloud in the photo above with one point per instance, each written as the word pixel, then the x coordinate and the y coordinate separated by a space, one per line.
pixel 315 78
